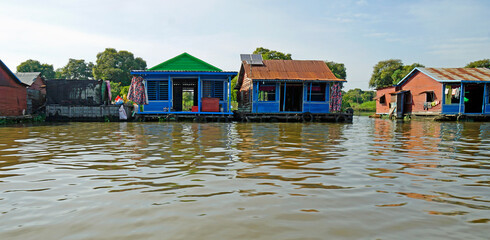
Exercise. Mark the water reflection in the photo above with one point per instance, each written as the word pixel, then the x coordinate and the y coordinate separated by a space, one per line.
pixel 260 180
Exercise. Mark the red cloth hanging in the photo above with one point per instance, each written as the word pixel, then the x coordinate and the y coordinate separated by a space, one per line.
pixel 137 92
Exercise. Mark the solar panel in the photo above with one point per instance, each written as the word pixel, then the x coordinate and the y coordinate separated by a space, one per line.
pixel 254 59
pixel 246 57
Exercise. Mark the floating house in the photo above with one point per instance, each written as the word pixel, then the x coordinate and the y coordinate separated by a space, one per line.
pixel 34 80
pixel 288 89
pixel 13 93
pixel 186 87
pixel 36 90
pixel 437 91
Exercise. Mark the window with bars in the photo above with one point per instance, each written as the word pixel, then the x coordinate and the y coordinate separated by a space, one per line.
pixel 267 92
pixel 213 89
pixel 157 90
pixel 316 92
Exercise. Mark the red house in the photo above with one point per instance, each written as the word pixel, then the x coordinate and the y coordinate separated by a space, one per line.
pixel 36 90
pixel 436 91
pixel 34 80
pixel 383 99
pixel 13 93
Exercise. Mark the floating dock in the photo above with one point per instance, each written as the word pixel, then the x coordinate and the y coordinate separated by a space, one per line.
pixel 341 117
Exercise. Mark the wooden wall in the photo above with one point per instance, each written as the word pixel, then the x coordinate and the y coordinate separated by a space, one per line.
pixel 13 95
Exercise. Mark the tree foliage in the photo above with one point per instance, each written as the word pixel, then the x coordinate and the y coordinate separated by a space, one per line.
pixel 399 74
pixel 359 100
pixel 271 54
pixel 115 89
pixel 47 71
pixel 484 63
pixel 233 90
pixel 383 71
pixel 117 66
pixel 389 72
pixel 338 69
pixel 357 95
pixel 76 69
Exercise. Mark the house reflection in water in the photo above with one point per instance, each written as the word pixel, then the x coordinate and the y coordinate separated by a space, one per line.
pixel 286 151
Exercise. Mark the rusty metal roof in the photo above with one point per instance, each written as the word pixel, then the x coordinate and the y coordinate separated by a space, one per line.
pixel 457 74
pixel 290 70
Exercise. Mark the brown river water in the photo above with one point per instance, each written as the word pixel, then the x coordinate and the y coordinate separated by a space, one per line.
pixel 372 179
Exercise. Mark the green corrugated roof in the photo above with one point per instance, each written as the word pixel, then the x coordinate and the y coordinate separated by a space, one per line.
pixel 185 62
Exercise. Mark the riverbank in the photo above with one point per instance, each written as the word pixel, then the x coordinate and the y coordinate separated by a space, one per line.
pixel 7 120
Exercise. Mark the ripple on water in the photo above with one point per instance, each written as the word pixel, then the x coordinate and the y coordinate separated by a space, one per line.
pixel 242 180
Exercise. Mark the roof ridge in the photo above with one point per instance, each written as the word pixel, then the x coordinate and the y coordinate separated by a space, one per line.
pixel 204 65
pixel 9 72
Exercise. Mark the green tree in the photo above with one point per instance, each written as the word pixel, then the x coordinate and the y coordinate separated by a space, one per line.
pixel 484 63
pixel 115 89
pixel 367 96
pixel 383 71
pixel 117 66
pixel 399 74
pixel 359 100
pixel 353 96
pixel 338 69
pixel 76 69
pixel 233 90
pixel 47 71
pixel 272 55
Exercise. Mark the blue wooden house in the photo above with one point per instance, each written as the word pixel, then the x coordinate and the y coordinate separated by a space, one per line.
pixel 186 85
pixel 287 87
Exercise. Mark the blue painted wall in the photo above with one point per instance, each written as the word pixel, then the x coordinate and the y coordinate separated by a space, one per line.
pixel 316 106
pixel 274 106
pixel 460 108
pixel 162 103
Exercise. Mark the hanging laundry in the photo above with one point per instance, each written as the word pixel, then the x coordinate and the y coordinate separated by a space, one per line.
pixel 108 84
pixel 103 92
pixel 448 95
pixel 137 91
pixel 336 97
pixel 122 113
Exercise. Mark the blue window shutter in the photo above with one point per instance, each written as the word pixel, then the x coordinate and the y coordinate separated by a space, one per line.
pixel 152 90
pixel 163 90
pixel 219 90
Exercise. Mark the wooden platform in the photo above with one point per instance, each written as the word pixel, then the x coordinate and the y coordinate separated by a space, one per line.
pixel 343 117
pixel 197 117
pixel 463 117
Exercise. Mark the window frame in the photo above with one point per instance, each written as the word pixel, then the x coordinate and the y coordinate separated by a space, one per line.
pixel 322 93
pixel 263 96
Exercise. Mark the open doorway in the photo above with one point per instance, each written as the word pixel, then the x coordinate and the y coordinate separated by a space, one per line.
pixel 291 97
pixel 187 99
pixel 184 94
pixel 473 98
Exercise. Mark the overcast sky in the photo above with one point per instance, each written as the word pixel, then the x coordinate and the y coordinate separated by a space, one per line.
pixel 358 33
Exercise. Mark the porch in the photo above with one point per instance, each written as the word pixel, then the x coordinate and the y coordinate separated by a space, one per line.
pixel 470 98
pixel 280 96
